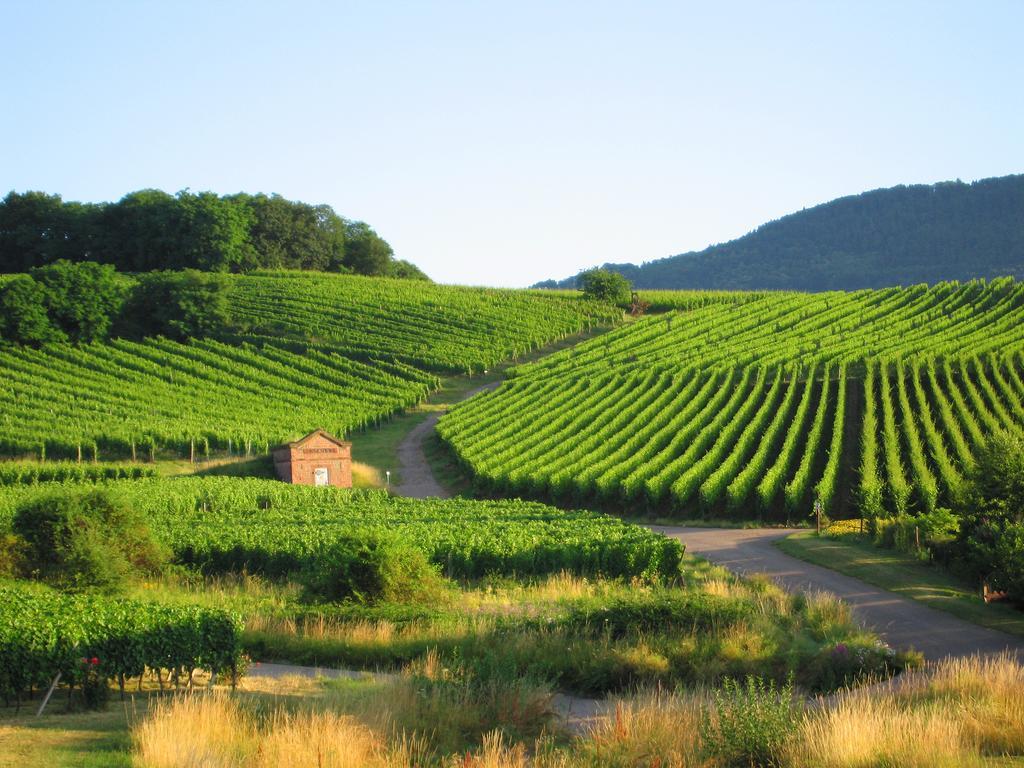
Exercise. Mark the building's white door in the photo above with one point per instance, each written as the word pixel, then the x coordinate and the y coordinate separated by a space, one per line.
pixel 320 476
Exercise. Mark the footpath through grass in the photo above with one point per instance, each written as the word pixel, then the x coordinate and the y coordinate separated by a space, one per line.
pixel 904 575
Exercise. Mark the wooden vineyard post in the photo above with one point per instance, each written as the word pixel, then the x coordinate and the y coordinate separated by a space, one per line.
pixel 49 693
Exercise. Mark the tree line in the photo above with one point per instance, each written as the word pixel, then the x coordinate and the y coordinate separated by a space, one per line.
pixel 900 236
pixel 153 230
pixel 84 301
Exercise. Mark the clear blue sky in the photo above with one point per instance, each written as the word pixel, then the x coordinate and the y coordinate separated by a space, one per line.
pixel 503 144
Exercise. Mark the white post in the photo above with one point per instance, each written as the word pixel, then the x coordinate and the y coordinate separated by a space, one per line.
pixel 387 473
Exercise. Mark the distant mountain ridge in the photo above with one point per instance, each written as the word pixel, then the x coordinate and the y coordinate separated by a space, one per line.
pixel 924 233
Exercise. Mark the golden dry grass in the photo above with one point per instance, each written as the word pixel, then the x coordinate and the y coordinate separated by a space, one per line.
pixel 366 476
pixel 957 713
pixel 648 729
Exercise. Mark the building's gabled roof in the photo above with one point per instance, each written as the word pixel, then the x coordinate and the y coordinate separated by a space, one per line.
pixel 315 433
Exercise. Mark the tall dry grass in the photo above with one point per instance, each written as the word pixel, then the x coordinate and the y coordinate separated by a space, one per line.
pixel 216 731
pixel 956 713
pixel 862 731
pixel 649 729
pixel 951 714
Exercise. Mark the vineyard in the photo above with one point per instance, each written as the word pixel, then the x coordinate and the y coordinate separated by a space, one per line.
pixel 328 351
pixel 44 632
pixel 267 527
pixel 874 400
pixel 135 399
pixel 436 327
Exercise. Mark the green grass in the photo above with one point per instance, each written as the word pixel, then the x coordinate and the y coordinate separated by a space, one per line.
pixel 76 740
pixel 904 575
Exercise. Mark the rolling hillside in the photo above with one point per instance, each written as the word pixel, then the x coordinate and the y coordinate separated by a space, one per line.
pixel 321 350
pixel 887 237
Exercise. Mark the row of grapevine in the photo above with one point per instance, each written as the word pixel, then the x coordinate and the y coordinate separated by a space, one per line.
pixel 745 440
pixel 32 472
pixel 263 526
pixel 943 320
pixel 135 399
pixel 437 327
pixel 44 632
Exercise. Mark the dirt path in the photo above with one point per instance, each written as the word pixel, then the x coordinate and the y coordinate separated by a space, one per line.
pixel 418 480
pixel 900 621
pixel 574 712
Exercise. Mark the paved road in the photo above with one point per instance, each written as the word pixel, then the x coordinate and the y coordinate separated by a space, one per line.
pixel 418 481
pixel 900 621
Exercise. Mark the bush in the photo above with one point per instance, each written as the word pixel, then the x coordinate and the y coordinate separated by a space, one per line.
pixel 846 664
pixel 605 285
pixel 751 723
pixel 85 539
pixel 660 611
pixel 373 568
pixel 902 533
pixel 990 545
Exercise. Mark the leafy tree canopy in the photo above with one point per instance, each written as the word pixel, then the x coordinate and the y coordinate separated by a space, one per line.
pixel 152 230
pixel 179 305
pixel 991 539
pixel 604 285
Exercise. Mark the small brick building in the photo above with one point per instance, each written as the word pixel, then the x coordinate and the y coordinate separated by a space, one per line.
pixel 316 459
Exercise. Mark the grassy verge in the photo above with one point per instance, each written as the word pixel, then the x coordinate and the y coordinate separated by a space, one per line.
pixel 905 575
pixel 58 740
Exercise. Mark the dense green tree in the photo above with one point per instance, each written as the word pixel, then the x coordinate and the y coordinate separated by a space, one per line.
pixel 179 305
pixel 37 229
pixel 406 270
pixel 293 235
pixel 140 231
pixel 82 299
pixel 151 230
pixel 365 252
pixel 214 234
pixel 23 313
pixel 990 544
pixel 605 285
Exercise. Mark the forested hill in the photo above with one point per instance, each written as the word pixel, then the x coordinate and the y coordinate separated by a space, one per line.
pixel 152 230
pixel 899 236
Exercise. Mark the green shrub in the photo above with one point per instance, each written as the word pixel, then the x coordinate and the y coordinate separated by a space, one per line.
pixel 91 538
pixel 845 664
pixel 657 612
pixel 605 285
pixel 371 568
pixel 750 723
pixel 990 544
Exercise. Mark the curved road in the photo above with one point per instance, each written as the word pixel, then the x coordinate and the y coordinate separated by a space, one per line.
pixel 900 621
